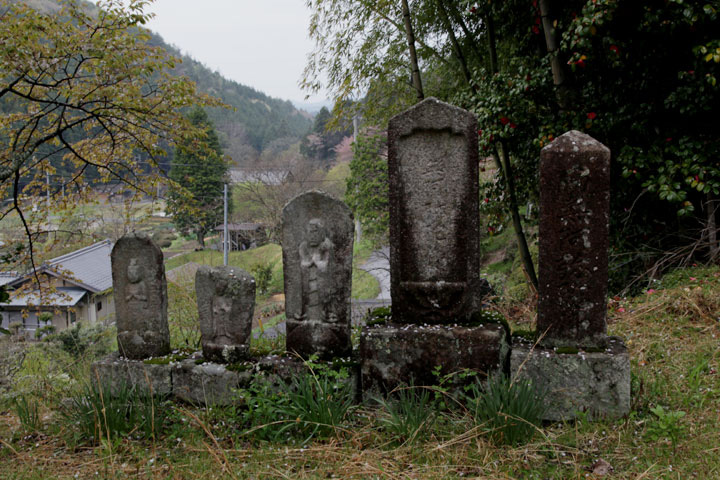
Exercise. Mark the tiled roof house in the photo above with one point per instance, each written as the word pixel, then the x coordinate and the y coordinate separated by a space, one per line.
pixel 82 282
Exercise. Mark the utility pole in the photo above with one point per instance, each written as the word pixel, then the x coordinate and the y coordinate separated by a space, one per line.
pixel 47 184
pixel 226 245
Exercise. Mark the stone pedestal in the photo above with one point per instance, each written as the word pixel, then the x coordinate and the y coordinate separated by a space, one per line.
pixel 119 372
pixel 577 380
pixel 394 355
pixel 198 381
pixel 209 383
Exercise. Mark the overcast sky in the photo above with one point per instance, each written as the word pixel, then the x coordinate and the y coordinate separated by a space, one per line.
pixel 259 43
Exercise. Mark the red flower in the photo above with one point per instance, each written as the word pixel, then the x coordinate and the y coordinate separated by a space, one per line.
pixel 580 63
pixel 535 30
pixel 591 115
pixel 504 120
pixel 668 139
pixel 479 132
pixel 487 200
pixel 473 10
pixel 615 49
pixel 697 179
pixel 512 125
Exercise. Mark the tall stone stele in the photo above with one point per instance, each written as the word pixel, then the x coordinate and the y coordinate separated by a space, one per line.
pixel 574 239
pixel 434 256
pixel 317 243
pixel 140 292
pixel 434 233
pixel 226 303
pixel 580 368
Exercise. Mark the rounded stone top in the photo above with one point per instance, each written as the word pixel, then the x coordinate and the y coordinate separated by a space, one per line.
pixel 318 199
pixel 575 142
pixel 134 240
pixel 433 114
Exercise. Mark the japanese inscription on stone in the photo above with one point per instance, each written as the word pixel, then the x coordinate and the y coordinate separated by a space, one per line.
pixel 434 236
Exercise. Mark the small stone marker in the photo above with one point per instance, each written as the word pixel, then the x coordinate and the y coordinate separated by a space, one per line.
pixel 434 234
pixel 226 303
pixel 574 238
pixel 140 292
pixel 317 242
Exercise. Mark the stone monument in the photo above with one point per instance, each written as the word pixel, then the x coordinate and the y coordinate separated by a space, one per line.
pixel 581 368
pixel 434 233
pixel 140 292
pixel 317 241
pixel 436 287
pixel 226 303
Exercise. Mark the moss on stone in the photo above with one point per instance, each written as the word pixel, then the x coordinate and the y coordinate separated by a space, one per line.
pixel 567 350
pixel 486 317
pixel 378 316
pixel 167 359
pixel 525 334
pixel 240 366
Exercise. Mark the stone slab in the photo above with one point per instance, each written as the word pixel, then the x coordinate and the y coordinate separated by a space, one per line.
pixel 594 382
pixel 433 204
pixel 208 383
pixel 397 354
pixel 120 371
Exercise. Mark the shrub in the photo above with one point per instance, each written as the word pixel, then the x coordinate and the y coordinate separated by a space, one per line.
pixel 45 331
pixel 263 277
pixel 509 410
pixel 80 340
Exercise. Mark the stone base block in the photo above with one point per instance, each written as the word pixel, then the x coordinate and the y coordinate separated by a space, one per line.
pixel 118 371
pixel 209 383
pixel 578 381
pixel 393 355
pixel 326 340
pixel 197 381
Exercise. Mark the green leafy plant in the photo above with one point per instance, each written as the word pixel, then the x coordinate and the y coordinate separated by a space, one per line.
pixel 312 404
pixel 263 277
pixel 319 402
pixel 510 411
pixel 102 412
pixel 27 410
pixel 80 340
pixel 666 425
pixel 409 413
pixel 45 331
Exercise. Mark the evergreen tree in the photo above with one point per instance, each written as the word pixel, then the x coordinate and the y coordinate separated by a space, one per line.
pixel 199 172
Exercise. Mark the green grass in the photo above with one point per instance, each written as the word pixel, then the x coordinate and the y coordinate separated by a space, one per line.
pixel 672 431
pixel 365 286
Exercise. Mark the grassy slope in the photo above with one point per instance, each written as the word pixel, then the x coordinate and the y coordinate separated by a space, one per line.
pixel 672 333
pixel 364 285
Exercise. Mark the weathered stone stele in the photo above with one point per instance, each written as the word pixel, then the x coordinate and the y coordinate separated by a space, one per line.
pixel 226 303
pixel 317 243
pixel 574 237
pixel 434 235
pixel 140 292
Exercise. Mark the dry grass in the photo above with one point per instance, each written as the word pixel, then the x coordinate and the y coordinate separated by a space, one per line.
pixel 672 332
